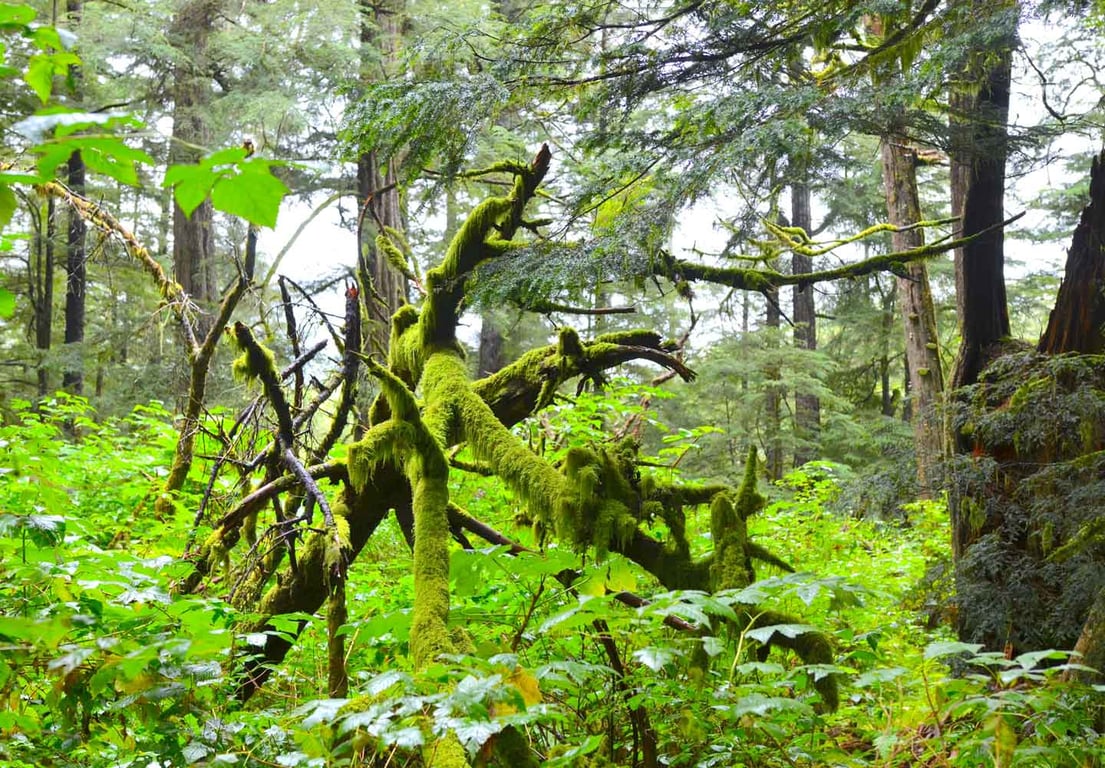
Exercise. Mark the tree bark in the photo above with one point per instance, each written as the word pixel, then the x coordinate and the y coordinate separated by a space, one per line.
pixel 491 346
pixel 193 236
pixel 807 407
pixel 76 269
pixel 377 182
pixel 44 294
pixel 774 392
pixel 926 379
pixel 978 151
pixel 1077 320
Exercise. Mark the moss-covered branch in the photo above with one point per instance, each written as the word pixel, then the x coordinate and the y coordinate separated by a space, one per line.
pixel 491 223
pixel 761 279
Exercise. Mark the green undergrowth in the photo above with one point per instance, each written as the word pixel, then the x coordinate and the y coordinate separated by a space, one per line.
pixel 102 666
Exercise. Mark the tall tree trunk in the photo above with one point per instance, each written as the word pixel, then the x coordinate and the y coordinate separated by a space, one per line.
pixel 76 270
pixel 1076 322
pixel 978 151
pixel 492 357
pixel 377 180
pixel 807 407
pixel 926 379
pixel 774 392
pixel 193 236
pixel 44 306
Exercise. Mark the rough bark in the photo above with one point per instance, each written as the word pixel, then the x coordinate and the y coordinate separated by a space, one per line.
pixel 978 151
pixel 926 379
pixel 44 293
pixel 1091 643
pixel 807 407
pixel 377 181
pixel 76 270
pixel 774 392
pixel 1078 317
pixel 193 236
pixel 492 358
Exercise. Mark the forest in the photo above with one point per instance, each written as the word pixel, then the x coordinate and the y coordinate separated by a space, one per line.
pixel 526 383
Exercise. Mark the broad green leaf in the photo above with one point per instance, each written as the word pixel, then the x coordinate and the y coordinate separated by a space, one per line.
pixel 51 157
pixel 254 194
pixel 7 209
pixel 40 76
pixel 473 733
pixel 938 650
pixel 113 158
pixel 228 156
pixel 16 15
pixel 654 658
pixel 191 184
pixel 764 634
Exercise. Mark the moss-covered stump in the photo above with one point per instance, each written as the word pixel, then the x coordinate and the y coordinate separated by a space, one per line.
pixel 1026 498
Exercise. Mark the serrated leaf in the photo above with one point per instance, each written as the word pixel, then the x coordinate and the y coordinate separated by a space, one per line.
pixel 382 682
pixel 473 733
pixel 254 194
pixel 654 658
pixel 51 156
pixel 950 648
pixel 758 704
pixel 320 711
pixel 764 634
pixel 191 184
pixel 404 738
pixel 712 645
pixel 40 76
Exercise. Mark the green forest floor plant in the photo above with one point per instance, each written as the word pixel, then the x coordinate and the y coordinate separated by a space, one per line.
pixel 102 665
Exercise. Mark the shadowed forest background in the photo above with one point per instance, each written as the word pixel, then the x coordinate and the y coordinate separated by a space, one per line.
pixel 652 384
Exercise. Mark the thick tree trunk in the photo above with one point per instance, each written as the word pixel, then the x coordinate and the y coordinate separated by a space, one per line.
pixel 193 236
pixel 978 151
pixel 76 270
pixel 926 379
pixel 1078 318
pixel 807 407
pixel 377 181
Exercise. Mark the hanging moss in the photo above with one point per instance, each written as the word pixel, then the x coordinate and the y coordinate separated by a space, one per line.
pixel 256 360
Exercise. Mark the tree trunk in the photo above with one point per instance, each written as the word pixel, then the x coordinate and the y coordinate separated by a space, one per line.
pixel 926 379
pixel 76 270
pixel 491 346
pixel 978 151
pixel 774 392
pixel 807 407
pixel 193 236
pixel 377 180
pixel 44 305
pixel 1077 320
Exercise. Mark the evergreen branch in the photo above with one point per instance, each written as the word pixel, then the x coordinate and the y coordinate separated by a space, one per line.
pixel 762 280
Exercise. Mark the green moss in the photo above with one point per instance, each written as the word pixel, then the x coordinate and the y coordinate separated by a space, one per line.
pixel 256 360
pixel 729 568
pixel 404 347
pixel 446 752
